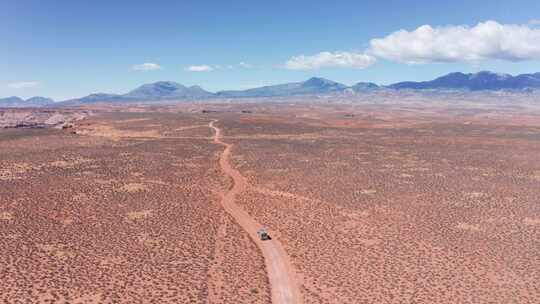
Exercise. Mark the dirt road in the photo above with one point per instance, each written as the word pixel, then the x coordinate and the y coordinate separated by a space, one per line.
pixel 281 274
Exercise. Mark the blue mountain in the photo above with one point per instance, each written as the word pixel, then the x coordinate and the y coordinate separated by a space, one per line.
pixel 38 100
pixel 166 90
pixel 364 86
pixel 314 85
pixel 161 90
pixel 99 97
pixel 14 101
pixel 474 82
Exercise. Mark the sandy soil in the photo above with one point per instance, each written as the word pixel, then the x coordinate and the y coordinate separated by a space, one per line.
pixel 281 274
pixel 428 209
pixel 101 218
pixel 369 203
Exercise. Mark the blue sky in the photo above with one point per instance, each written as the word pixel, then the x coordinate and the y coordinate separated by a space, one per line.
pixel 65 49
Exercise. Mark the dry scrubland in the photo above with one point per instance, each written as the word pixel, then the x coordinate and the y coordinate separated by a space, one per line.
pixel 397 204
pixel 373 203
pixel 125 211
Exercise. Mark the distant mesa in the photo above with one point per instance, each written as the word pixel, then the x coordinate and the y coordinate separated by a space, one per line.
pixel 169 91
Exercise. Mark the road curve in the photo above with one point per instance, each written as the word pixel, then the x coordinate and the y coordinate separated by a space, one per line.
pixel 283 285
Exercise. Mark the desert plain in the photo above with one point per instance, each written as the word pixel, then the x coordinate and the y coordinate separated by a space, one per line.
pixel 370 203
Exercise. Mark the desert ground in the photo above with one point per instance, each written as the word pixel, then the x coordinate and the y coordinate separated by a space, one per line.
pixel 365 203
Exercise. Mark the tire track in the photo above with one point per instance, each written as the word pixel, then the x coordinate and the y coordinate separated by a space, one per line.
pixel 281 274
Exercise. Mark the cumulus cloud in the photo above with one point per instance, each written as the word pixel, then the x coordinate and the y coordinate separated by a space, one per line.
pixel 200 68
pixel 486 40
pixel 23 84
pixel 330 60
pixel 534 22
pixel 148 66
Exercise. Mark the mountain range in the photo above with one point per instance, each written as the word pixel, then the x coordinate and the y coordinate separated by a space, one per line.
pixel 167 90
pixel 475 82
pixel 313 85
pixel 172 91
pixel 36 101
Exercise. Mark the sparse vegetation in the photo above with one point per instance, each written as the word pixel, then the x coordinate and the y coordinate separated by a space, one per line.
pixel 435 204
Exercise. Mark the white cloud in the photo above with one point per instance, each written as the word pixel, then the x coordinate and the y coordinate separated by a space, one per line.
pixel 148 66
pixel 330 60
pixel 24 84
pixel 245 65
pixel 200 68
pixel 486 40
pixel 534 22
pixel 223 67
